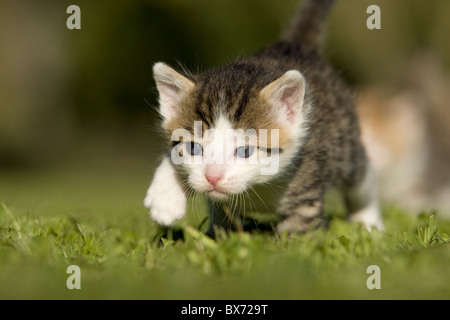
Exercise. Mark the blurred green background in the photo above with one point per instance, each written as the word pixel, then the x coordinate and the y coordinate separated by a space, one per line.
pixel 61 89
pixel 79 129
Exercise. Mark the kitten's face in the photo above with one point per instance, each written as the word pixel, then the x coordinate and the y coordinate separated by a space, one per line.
pixel 223 160
pixel 222 145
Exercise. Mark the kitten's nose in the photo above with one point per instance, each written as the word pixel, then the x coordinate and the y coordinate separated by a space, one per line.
pixel 214 173
pixel 213 179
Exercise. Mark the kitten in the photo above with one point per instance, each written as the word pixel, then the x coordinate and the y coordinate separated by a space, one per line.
pixel 282 111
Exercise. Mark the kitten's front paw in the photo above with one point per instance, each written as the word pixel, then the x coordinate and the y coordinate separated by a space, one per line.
pixel 165 208
pixel 166 198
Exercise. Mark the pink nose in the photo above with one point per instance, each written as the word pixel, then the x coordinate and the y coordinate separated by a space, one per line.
pixel 213 179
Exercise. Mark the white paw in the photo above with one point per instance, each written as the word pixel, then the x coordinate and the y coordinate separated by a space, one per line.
pixel 165 197
pixel 363 199
pixel 369 217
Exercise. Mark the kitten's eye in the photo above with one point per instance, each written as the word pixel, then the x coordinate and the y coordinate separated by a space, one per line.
pixel 194 148
pixel 244 152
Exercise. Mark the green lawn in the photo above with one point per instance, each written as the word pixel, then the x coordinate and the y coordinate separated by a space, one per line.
pixel 88 212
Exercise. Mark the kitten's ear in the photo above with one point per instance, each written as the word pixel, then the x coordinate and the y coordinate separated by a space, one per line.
pixel 286 94
pixel 171 88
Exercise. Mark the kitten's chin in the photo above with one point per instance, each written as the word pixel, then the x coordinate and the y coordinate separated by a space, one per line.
pixel 217 195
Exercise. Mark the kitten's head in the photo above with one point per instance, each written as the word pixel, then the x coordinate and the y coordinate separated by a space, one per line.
pixel 232 127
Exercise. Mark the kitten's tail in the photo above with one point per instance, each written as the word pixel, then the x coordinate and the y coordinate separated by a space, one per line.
pixel 308 24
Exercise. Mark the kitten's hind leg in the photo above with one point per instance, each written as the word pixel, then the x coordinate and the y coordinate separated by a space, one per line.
pixel 362 202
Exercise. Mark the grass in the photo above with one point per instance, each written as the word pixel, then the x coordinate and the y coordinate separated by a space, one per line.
pixel 91 215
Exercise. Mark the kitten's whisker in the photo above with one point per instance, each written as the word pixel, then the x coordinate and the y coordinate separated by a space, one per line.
pixel 233 212
pixel 256 193
pixel 243 202
pixel 251 203
pixel 238 220
pixel 273 186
